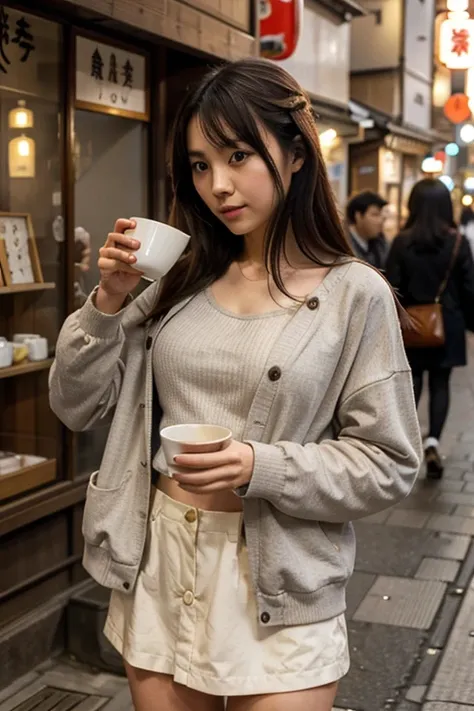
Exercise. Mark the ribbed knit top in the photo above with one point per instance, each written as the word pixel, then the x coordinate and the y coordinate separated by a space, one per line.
pixel 208 362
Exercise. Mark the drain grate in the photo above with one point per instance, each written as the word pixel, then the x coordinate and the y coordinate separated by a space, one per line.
pixel 52 699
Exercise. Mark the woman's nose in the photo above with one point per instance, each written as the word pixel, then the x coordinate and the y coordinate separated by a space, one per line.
pixel 221 182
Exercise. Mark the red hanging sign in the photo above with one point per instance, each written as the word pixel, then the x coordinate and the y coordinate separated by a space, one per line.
pixel 280 27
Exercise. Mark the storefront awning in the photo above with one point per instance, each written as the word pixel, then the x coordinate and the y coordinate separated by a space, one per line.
pixel 338 115
pixel 347 9
pixel 403 138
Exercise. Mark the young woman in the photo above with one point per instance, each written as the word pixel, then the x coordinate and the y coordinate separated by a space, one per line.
pixel 228 579
pixel 420 259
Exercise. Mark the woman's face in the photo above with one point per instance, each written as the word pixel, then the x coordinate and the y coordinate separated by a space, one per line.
pixel 235 183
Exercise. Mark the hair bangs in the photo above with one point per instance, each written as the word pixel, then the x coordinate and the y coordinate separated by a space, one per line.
pixel 225 119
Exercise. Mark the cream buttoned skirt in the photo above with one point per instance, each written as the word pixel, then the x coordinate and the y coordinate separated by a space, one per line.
pixel 193 614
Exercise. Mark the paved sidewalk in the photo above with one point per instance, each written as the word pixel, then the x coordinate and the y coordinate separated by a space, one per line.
pixel 410 603
pixel 411 600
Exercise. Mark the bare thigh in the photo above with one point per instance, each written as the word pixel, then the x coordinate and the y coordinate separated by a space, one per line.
pixel 320 698
pixel 159 692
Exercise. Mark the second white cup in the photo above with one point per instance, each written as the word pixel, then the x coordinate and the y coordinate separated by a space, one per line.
pixel 192 439
pixel 160 246
pixel 37 348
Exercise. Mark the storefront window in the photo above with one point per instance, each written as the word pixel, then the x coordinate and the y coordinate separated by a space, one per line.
pixel 111 182
pixel 31 276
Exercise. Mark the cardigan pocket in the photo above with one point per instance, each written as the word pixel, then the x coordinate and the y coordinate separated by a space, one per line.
pixel 110 517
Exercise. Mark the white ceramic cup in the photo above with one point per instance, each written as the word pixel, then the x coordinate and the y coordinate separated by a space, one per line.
pixel 192 439
pixel 6 354
pixel 22 337
pixel 37 348
pixel 160 246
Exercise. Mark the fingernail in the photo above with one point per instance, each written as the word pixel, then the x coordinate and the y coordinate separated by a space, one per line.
pixel 135 243
pixel 132 258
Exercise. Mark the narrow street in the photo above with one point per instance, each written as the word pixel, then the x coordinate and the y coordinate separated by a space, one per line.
pixel 410 603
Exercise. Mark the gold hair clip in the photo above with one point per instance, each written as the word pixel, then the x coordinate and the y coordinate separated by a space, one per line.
pixel 297 103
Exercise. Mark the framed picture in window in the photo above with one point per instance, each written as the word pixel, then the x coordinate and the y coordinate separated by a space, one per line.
pixel 19 260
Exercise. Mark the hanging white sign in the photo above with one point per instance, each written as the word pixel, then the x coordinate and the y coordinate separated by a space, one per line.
pixel 456 43
pixel 111 79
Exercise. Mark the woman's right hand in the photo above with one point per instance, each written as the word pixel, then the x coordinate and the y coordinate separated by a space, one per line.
pixel 116 259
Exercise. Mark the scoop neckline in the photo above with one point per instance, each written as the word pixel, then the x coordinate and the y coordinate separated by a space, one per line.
pixel 323 287
pixel 282 311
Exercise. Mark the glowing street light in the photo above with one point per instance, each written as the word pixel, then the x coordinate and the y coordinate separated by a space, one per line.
pixel 452 150
pixel 467 133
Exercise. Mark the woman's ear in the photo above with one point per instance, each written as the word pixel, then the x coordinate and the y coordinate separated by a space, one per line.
pixel 298 154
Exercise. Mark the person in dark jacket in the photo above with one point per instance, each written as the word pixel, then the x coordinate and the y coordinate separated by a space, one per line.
pixel 365 217
pixel 417 264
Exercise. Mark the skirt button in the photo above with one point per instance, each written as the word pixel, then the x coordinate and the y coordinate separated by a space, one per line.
pixel 190 516
pixel 188 598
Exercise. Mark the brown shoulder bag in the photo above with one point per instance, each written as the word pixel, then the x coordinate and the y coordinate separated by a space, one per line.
pixel 427 324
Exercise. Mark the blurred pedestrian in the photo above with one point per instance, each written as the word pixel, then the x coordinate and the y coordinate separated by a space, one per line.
pixel 422 257
pixel 365 218
pixel 466 226
pixel 229 575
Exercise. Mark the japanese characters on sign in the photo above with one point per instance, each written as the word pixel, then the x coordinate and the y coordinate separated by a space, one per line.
pixel 110 79
pixel 12 33
pixel 456 49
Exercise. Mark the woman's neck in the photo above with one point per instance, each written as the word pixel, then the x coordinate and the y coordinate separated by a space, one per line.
pixel 292 258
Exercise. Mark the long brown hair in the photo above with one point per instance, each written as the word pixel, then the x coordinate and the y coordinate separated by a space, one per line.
pixel 230 103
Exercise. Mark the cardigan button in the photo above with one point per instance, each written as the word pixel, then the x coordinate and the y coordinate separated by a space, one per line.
pixel 274 373
pixel 313 303
pixel 148 343
pixel 265 617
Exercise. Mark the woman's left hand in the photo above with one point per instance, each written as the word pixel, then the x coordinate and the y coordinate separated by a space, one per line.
pixel 215 471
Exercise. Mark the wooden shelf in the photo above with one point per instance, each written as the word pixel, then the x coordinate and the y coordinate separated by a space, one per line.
pixel 27 478
pixel 24 368
pixel 22 288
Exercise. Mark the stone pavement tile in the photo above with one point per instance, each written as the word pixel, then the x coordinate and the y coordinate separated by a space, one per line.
pixel 382 661
pixel 402 602
pixel 469 488
pixel 379 517
pixel 390 550
pixel 444 707
pixel 452 485
pixel 469 477
pixel 454 679
pixel 446 545
pixel 416 693
pixel 408 706
pixel 410 519
pixel 460 499
pixel 438 569
pixel 357 588
pixel 455 524
pixel 464 511
pixel 419 504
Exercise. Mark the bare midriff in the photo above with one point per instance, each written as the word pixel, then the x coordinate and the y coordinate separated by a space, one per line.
pixel 220 501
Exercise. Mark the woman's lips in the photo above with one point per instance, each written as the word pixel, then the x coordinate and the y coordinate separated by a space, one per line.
pixel 233 212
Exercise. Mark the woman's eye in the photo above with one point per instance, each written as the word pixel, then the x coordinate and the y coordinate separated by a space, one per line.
pixel 239 156
pixel 199 166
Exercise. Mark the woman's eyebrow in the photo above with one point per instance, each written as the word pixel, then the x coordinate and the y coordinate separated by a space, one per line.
pixel 196 154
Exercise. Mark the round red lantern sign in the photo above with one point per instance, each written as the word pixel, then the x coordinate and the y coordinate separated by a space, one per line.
pixel 456 109
pixel 280 27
